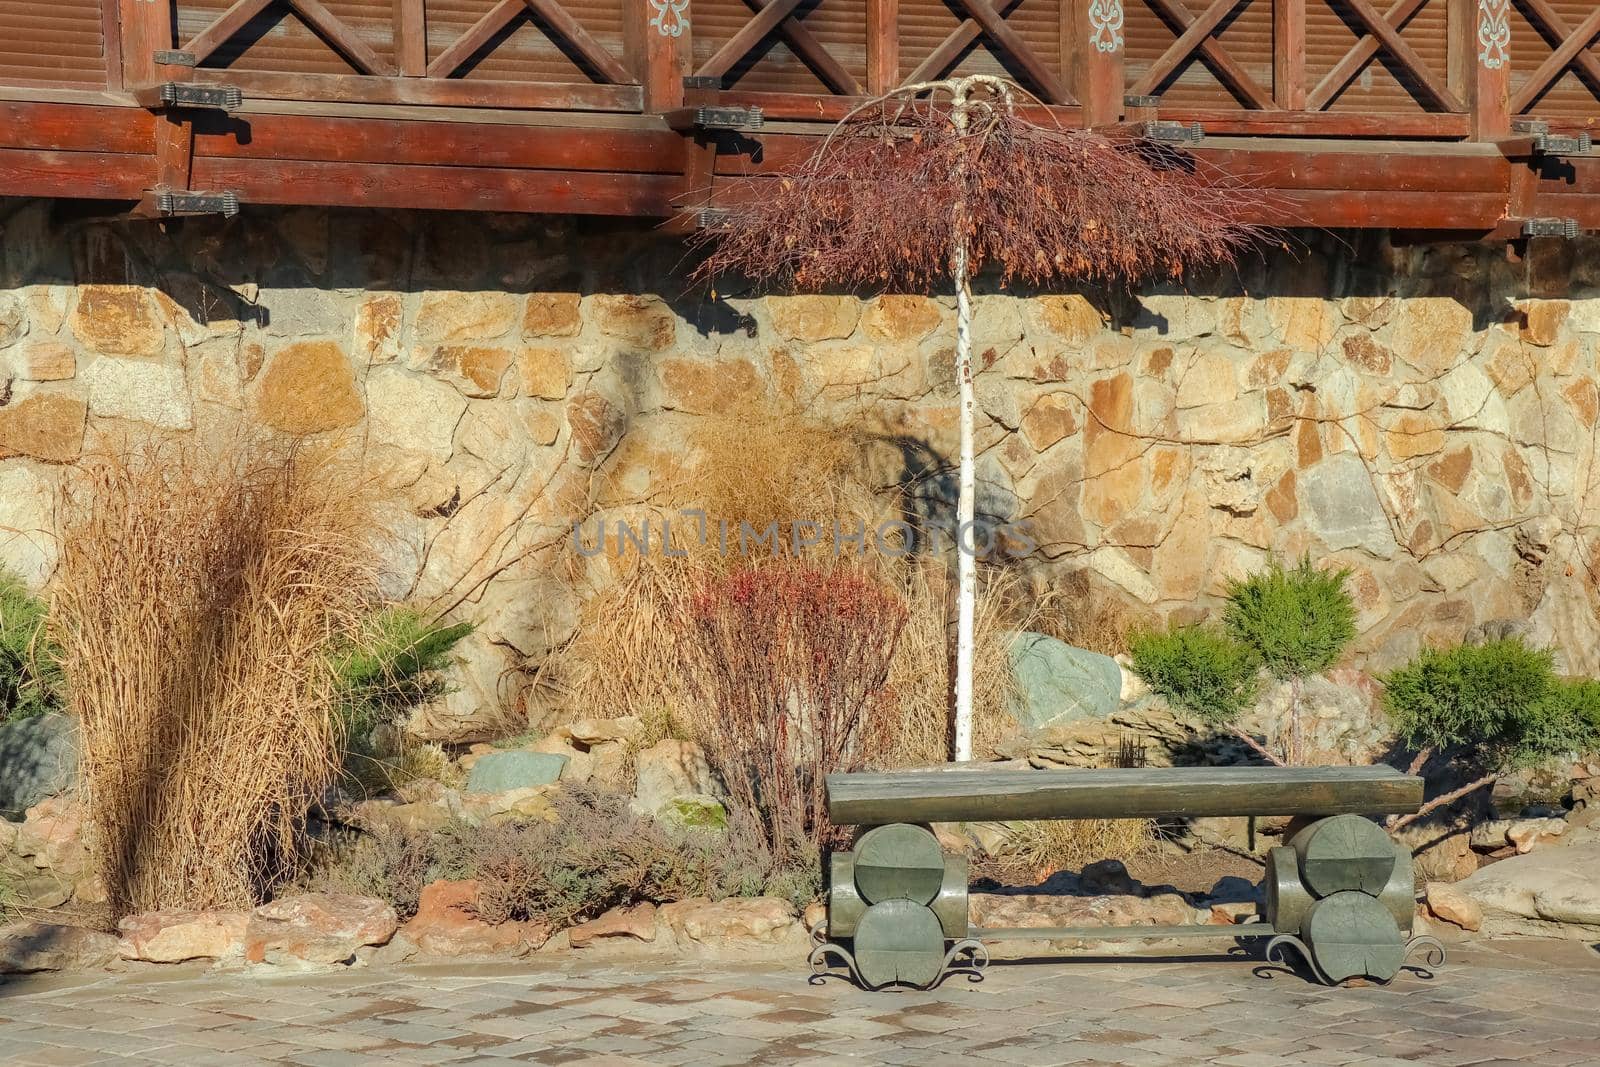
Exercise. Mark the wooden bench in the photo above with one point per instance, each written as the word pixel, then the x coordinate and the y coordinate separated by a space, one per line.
pixel 1340 892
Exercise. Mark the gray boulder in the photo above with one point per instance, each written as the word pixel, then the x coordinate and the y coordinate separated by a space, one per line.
pixel 38 759
pixel 1056 683
pixel 500 772
pixel 1549 892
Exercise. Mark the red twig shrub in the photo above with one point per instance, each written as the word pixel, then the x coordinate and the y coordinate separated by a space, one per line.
pixel 876 205
pixel 789 665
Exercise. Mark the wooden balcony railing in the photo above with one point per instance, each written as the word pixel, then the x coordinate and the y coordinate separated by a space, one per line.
pixel 1392 68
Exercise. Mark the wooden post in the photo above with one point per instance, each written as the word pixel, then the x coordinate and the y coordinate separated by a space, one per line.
pixel 1093 40
pixel 411 38
pixel 1289 54
pixel 1480 64
pixel 883 46
pixel 147 28
pixel 656 38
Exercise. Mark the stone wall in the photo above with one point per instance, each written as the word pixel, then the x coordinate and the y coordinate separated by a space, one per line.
pixel 1425 416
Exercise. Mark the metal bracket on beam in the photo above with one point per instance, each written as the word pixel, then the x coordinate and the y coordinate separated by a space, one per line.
pixel 1172 132
pixel 1544 143
pixel 225 204
pixel 706 117
pixel 712 218
pixel 184 95
pixel 1567 228
pixel 1151 102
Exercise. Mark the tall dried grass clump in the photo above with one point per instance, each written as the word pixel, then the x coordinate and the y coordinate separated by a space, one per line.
pixel 200 587
pixel 756 467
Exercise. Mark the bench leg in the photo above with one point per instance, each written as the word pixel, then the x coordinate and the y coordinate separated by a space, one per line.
pixel 901 904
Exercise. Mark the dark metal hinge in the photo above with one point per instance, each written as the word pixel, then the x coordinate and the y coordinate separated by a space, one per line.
pixel 1567 228
pixel 187 203
pixel 712 218
pixel 1173 132
pixel 224 98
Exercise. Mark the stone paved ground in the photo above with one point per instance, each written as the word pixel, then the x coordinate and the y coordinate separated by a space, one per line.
pixel 1509 1002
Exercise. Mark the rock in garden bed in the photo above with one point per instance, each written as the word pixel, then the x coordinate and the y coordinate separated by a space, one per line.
pixel 176 936
pixel 1547 893
pixel 636 924
pixel 317 928
pixel 732 924
pixel 446 926
pixel 31 947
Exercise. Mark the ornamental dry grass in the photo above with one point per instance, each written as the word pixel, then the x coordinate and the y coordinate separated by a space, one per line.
pixel 759 466
pixel 199 588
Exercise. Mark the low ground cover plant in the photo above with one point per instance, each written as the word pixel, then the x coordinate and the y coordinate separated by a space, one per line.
pixel 593 854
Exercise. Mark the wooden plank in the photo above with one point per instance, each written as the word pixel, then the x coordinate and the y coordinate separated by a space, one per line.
pixel 478 34
pixel 1120 933
pixel 222 28
pixel 146 29
pixel 779 16
pixel 963 794
pixel 1359 209
pixel 1045 81
pixel 75 128
pixel 1565 53
pixel 341 39
pixel 1482 78
pixel 367 140
pixel 1289 54
pixel 451 92
pixel 952 48
pixel 1381 33
pixel 657 43
pixel 96 175
pixel 883 46
pixel 1197 37
pixel 1541 13
pixel 411 37
pixel 570 30
pixel 1097 64
pixel 111 38
pixel 444 188
pixel 752 33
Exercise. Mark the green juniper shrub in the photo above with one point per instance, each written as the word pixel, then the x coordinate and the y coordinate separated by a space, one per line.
pixel 1500 701
pixel 396 664
pixel 30 672
pixel 1298 619
pixel 1198 668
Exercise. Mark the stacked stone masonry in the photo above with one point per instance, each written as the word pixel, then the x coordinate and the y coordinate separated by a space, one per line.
pixel 1424 415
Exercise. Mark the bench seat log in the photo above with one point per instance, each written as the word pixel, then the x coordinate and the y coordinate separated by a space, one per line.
pixel 980 795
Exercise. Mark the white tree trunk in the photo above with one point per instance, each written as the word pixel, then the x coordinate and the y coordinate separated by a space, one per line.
pixel 966 535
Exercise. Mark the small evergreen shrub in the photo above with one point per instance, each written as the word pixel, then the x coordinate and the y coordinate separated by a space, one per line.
pixel 1198 668
pixel 396 663
pixel 30 662
pixel 1297 619
pixel 1501 700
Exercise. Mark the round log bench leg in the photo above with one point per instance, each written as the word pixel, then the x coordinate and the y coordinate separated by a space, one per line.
pixel 899 901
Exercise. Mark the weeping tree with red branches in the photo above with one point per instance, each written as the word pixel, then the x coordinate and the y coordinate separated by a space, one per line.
pixel 936 182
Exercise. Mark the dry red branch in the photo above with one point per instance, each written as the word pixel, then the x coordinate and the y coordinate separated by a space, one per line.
pixel 876 203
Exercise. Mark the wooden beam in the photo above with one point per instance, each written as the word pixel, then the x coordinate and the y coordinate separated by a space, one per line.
pixel 1576 43
pixel 111 36
pixel 76 128
pixel 448 188
pixel 1096 51
pixel 446 92
pixel 222 28
pixel 1480 63
pixel 146 29
pixel 1381 34
pixel 951 49
pixel 411 37
pixel 92 175
pixel 1289 54
pixel 883 46
pixel 973 794
pixel 569 30
pixel 478 34
pixel 997 29
pixel 656 37
pixel 342 39
pixel 1197 37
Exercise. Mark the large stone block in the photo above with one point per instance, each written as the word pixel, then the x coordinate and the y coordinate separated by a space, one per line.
pixel 1341 507
pixel 142 391
pixel 45 426
pixel 413 412
pixel 309 387
pixel 1056 683
pixel 119 320
pixel 814 318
